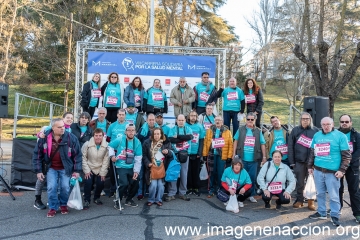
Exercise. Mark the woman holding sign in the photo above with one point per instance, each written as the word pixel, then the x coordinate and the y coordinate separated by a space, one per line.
pixel 272 179
pixel 253 99
pixel 135 93
pixel 91 94
pixel 155 99
pixel 112 94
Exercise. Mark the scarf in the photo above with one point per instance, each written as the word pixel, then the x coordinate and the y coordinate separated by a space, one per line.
pixel 66 126
pixel 154 149
pixel 206 84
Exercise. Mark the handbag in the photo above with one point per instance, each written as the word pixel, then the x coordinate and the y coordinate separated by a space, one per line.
pixel 157 172
pixel 129 156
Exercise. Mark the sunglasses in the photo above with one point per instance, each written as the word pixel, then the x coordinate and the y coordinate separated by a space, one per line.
pixel 250 119
pixel 130 107
pixel 344 121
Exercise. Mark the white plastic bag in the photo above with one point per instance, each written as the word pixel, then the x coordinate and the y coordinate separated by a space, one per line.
pixel 75 200
pixel 310 190
pixel 233 205
pixel 203 173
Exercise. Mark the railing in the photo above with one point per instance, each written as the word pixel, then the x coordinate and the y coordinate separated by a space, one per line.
pixel 31 107
pixel 292 116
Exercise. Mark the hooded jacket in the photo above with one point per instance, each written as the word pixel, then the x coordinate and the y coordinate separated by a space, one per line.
pixel 176 97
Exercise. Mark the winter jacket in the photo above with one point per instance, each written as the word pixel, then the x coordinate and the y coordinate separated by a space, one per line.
pixel 227 150
pixel 94 122
pixel 177 97
pixel 69 149
pixel 146 158
pixel 355 156
pixel 95 160
pixel 285 176
pixel 129 96
pixel 86 94
pixel 258 105
pixel 269 138
pixel 75 129
pixel 298 152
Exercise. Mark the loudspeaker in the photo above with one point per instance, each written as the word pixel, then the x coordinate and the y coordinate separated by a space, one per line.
pixel 318 107
pixel 4 94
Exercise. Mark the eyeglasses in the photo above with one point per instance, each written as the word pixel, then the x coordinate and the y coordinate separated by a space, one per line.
pixel 250 119
pixel 113 76
pixel 305 119
pixel 326 124
pixel 344 121
pixel 205 77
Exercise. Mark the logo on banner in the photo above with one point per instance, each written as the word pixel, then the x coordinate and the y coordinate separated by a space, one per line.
pixel 126 80
pixel 128 63
pixel 167 82
pixel 96 63
pixel 192 67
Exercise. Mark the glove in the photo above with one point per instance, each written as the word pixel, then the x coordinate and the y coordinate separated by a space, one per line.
pixel 73 180
pixel 228 160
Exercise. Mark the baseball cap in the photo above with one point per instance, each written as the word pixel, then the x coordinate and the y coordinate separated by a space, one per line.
pixel 159 114
pixel 130 104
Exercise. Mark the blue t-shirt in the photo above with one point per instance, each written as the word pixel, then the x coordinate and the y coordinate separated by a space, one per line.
pixel 249 150
pixel 102 125
pixel 203 95
pixel 93 100
pixel 278 141
pixel 119 145
pixel 232 99
pixel 198 133
pixel 137 97
pixel 131 118
pixel 116 129
pixel 327 149
pixel 155 97
pixel 113 95
pixel 166 129
pixel 182 131
pixel 208 121
pixel 232 179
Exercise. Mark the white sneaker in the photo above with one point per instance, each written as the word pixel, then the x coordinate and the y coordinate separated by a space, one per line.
pixel 225 203
pixel 252 199
pixel 102 193
pixel 241 204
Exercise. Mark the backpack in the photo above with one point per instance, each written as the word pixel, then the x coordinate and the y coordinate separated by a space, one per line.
pixel 173 170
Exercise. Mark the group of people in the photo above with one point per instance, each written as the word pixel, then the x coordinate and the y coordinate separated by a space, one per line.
pixel 136 153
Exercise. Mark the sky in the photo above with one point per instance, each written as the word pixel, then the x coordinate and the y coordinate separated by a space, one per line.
pixel 235 12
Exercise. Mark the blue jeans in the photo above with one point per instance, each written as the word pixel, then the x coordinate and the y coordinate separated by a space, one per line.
pixel 327 182
pixel 156 190
pixel 231 116
pixel 218 170
pixel 251 168
pixel 53 177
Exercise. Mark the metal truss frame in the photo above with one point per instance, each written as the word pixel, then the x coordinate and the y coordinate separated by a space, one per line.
pixel 83 47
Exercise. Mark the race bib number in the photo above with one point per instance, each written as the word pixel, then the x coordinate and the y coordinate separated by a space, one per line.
pixel 218 143
pixel 96 93
pixel 275 187
pixel 196 137
pixel 157 96
pixel 111 100
pixel 182 146
pixel 207 125
pixel 282 148
pixel 250 98
pixel 122 155
pixel 351 146
pixel 249 141
pixel 232 96
pixel 322 149
pixel 204 96
pixel 305 141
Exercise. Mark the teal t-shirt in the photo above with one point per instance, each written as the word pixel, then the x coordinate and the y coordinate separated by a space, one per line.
pixel 232 99
pixel 182 131
pixel 137 97
pixel 119 145
pixel 327 149
pixel 113 95
pixel 97 147
pixel 155 97
pixel 102 125
pixel 93 100
pixel 116 130
pixel 203 95
pixel 182 89
pixel 248 149
pixel 83 129
pixel 208 121
pixel 131 118
pixel 198 133
pixel 278 141
pixel 351 144
pixel 232 178
pixel 166 129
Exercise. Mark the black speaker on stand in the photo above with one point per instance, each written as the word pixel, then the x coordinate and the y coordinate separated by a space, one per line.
pixel 317 107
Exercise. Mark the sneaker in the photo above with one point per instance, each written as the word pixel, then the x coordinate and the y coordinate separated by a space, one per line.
pixel 131 203
pixel 329 211
pixel 267 205
pixel 357 219
pixel 252 199
pixel 335 221
pixel 241 204
pixel 196 192
pixel 169 198
pixel 98 202
pixel 86 205
pixel 39 205
pixel 51 213
pixel 211 194
pixel 64 209
pixel 102 193
pixel 184 197
pixel 317 216
pixel 139 197
pixel 117 207
pixel 189 191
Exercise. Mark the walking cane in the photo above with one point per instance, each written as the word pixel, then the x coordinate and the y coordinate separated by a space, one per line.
pixel 117 198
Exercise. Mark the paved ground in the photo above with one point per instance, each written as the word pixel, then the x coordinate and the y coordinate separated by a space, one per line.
pixel 20 220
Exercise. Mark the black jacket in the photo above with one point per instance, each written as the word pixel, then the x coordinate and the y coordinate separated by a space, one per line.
pixel 258 105
pixel 75 129
pixel 355 156
pixel 146 158
pixel 86 95
pixel 297 152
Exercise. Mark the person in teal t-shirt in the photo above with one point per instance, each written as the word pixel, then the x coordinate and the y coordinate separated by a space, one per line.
pixel 112 92
pixel 90 95
pixel 117 129
pixel 155 99
pixel 159 118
